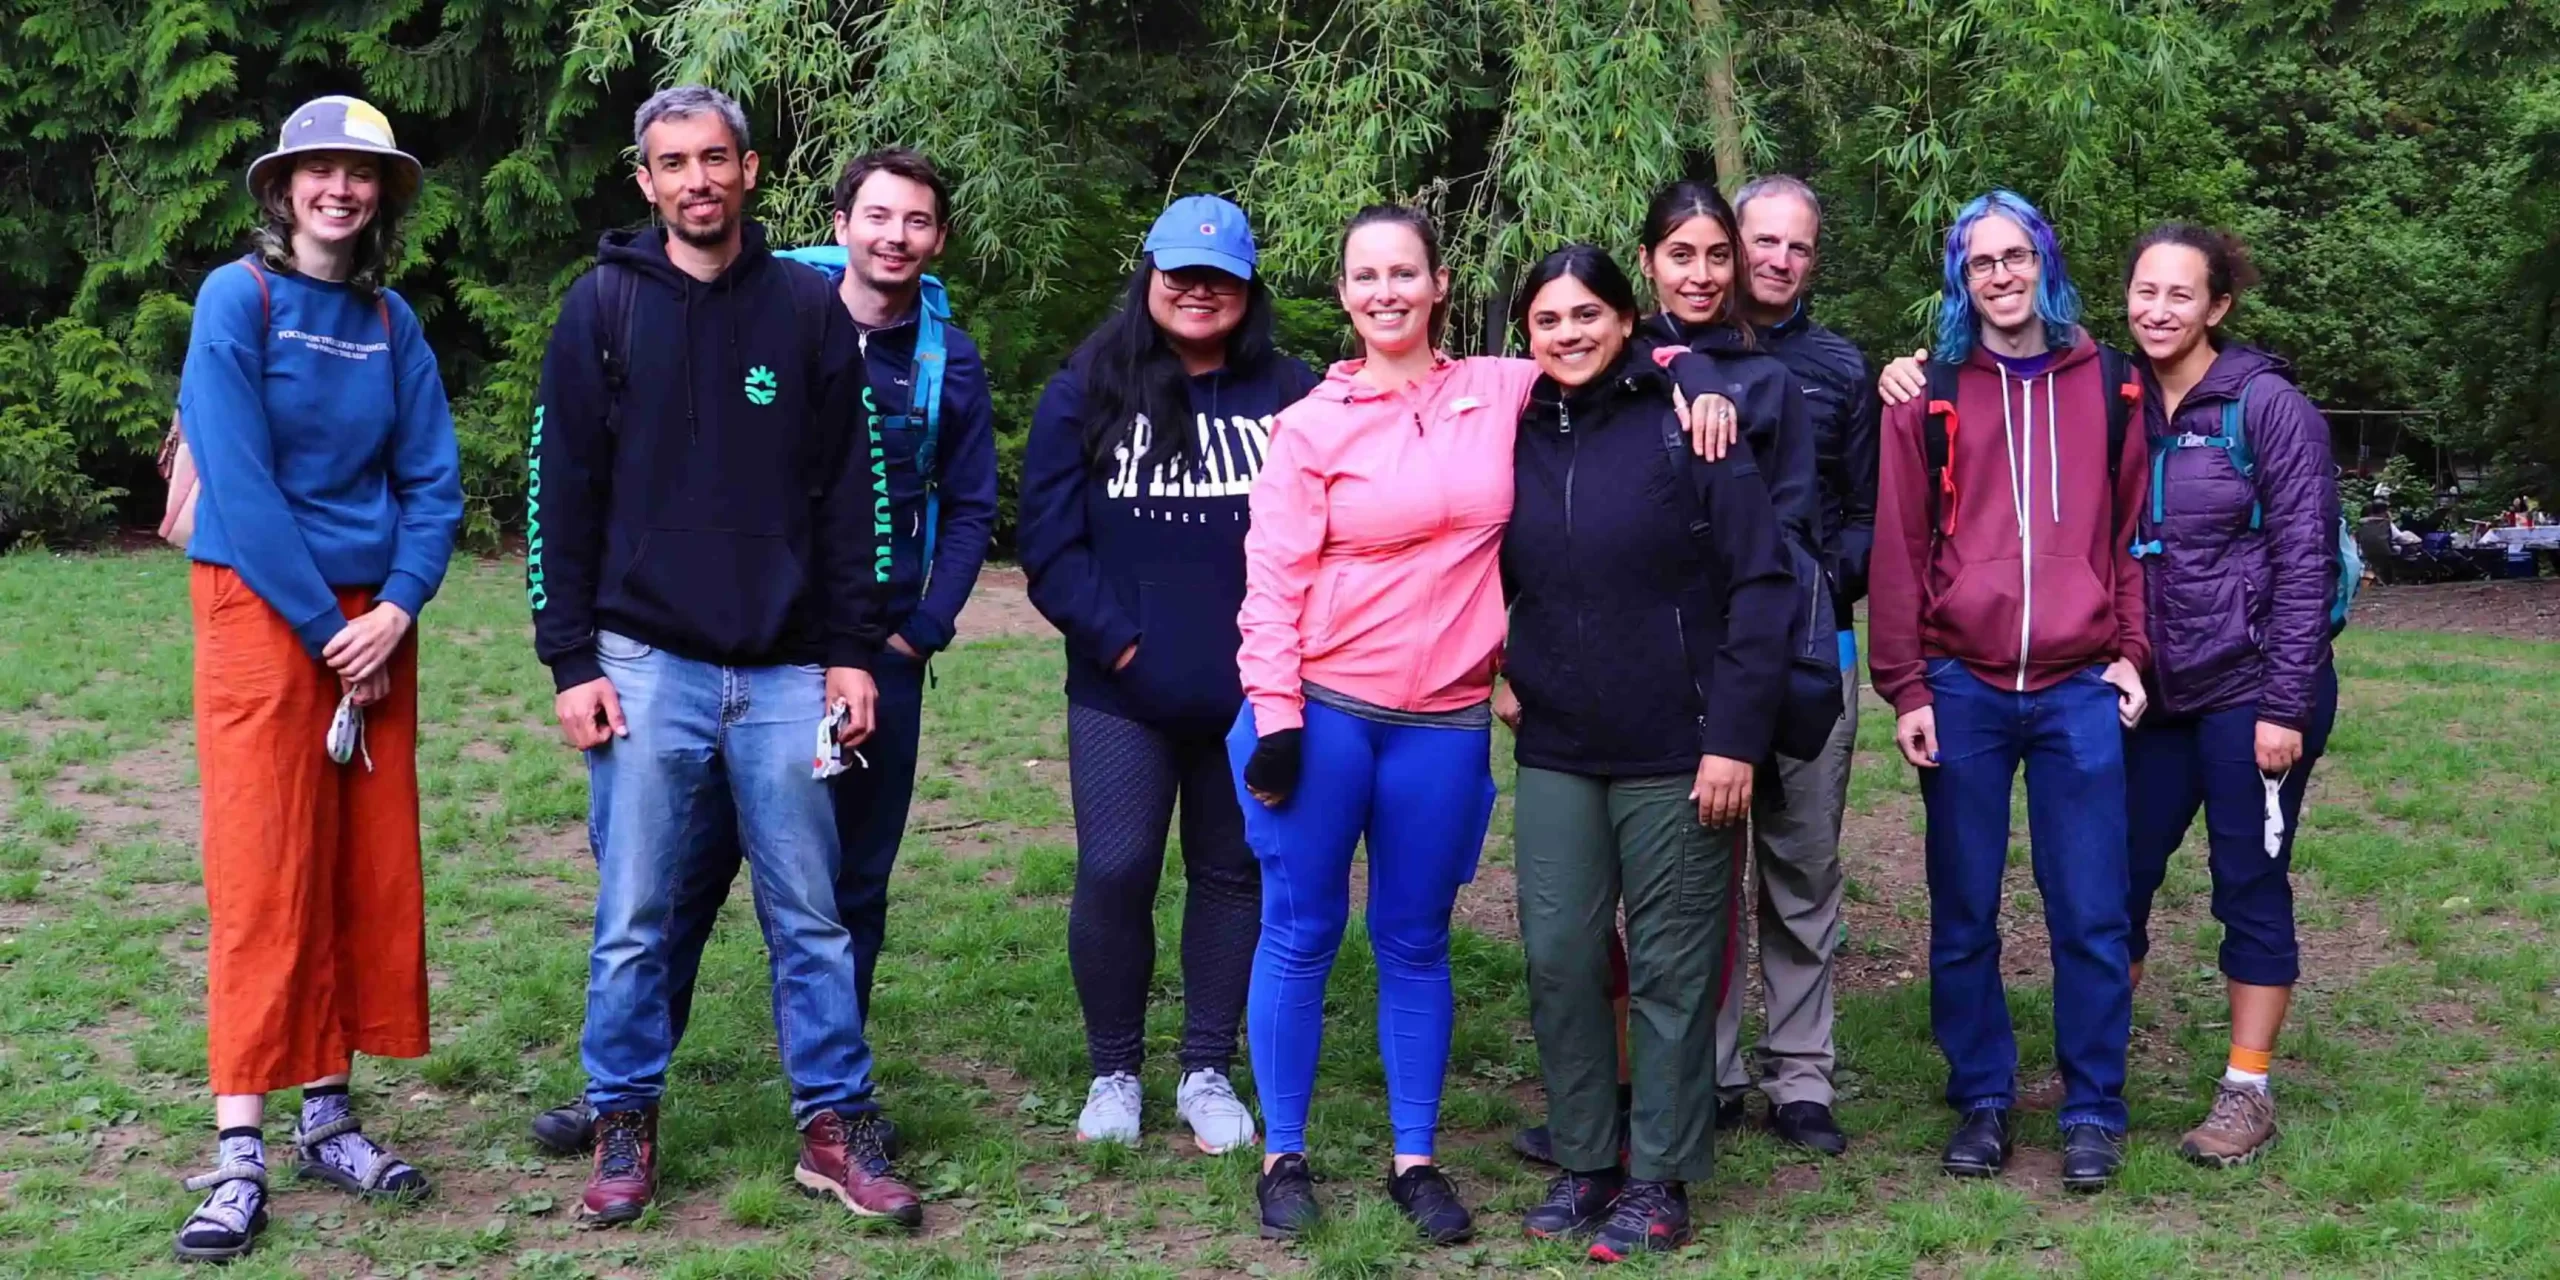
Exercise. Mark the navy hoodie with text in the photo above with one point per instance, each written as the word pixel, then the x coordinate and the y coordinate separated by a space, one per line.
pixel 723 514
pixel 1116 556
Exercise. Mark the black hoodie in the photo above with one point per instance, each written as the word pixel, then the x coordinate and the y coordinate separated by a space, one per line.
pixel 723 517
pixel 1773 419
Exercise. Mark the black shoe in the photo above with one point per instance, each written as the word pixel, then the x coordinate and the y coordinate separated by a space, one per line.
pixel 1808 1124
pixel 1980 1145
pixel 1288 1194
pixel 1732 1113
pixel 1648 1217
pixel 2090 1157
pixel 1426 1196
pixel 1536 1143
pixel 1575 1205
pixel 566 1130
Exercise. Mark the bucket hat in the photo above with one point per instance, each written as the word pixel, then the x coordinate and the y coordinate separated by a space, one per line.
pixel 340 123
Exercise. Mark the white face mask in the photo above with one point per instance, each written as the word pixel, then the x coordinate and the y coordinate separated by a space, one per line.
pixel 829 758
pixel 346 733
pixel 2274 784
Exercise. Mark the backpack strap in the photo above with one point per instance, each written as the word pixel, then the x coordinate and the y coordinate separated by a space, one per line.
pixel 2235 445
pixel 924 397
pixel 2115 369
pixel 618 296
pixel 1938 446
pixel 1675 446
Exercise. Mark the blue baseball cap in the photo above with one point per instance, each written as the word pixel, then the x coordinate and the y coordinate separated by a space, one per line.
pixel 339 123
pixel 1202 231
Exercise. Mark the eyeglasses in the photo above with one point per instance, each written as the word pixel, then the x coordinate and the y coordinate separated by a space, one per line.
pixel 2016 261
pixel 1215 284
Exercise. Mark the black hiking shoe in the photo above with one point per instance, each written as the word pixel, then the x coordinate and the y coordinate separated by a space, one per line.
pixel 1808 1125
pixel 2090 1157
pixel 1287 1191
pixel 1575 1205
pixel 1980 1145
pixel 1648 1217
pixel 1426 1196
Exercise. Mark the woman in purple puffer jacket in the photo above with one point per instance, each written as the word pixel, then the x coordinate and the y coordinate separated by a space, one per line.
pixel 2239 569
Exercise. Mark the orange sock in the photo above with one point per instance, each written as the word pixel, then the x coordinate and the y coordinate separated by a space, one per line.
pixel 2251 1064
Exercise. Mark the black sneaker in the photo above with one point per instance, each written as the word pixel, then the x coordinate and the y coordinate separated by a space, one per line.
pixel 1287 1191
pixel 1980 1145
pixel 1426 1196
pixel 1536 1144
pixel 1808 1125
pixel 1648 1217
pixel 566 1130
pixel 1575 1205
pixel 2090 1157
pixel 1732 1112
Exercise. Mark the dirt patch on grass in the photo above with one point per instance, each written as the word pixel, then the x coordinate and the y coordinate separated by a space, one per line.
pixel 2518 610
pixel 1001 606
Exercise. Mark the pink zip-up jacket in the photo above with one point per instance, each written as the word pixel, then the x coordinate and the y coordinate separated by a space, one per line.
pixel 1372 565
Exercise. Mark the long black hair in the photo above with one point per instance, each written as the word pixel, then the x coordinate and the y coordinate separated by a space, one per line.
pixel 1126 368
pixel 1588 263
pixel 1672 208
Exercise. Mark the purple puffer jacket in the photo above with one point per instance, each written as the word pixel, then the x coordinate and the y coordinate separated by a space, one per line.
pixel 2238 616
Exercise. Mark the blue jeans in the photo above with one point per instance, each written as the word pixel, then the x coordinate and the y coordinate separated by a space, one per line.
pixel 2175 766
pixel 1422 797
pixel 715 755
pixel 871 814
pixel 2072 745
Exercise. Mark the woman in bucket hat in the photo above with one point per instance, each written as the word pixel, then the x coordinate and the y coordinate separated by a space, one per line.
pixel 329 496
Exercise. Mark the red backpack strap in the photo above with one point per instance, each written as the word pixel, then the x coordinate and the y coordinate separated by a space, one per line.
pixel 1938 429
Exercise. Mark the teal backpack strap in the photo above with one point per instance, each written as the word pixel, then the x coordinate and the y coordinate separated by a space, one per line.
pixel 932 313
pixel 2235 444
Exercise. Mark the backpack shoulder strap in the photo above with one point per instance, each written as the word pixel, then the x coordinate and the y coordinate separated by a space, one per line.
pixel 933 311
pixel 2235 445
pixel 2124 391
pixel 617 296
pixel 1687 464
pixel 1938 443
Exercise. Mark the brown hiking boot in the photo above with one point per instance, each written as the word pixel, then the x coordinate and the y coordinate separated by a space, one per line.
pixel 842 1156
pixel 2241 1124
pixel 625 1179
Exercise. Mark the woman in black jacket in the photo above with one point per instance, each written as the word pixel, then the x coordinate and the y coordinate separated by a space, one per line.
pixel 1650 599
pixel 1134 482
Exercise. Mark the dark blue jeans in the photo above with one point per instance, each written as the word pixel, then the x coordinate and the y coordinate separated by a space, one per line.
pixel 871 814
pixel 2175 766
pixel 2072 746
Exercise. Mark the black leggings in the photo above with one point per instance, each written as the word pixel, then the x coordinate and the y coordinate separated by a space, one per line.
pixel 1125 776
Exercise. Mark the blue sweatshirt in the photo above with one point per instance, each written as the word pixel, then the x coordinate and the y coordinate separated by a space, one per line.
pixel 926 613
pixel 1115 557
pixel 723 515
pixel 323 444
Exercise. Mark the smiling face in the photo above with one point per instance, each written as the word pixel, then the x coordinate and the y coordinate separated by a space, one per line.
pixel 692 169
pixel 1574 335
pixel 2001 270
pixel 1196 307
pixel 1390 289
pixel 890 229
pixel 1692 271
pixel 334 195
pixel 1780 234
pixel 2169 302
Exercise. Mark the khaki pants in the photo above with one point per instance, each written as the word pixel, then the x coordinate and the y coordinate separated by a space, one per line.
pixel 1795 866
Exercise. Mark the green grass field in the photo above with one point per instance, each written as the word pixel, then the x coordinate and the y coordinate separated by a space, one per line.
pixel 2418 1085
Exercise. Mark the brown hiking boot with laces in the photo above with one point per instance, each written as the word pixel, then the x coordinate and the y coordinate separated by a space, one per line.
pixel 843 1157
pixel 2241 1124
pixel 625 1176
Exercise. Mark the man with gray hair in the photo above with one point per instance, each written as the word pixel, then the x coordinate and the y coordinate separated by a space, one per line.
pixel 699 570
pixel 1795 835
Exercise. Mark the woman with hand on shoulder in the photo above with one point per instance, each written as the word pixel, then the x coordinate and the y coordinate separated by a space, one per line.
pixel 1134 486
pixel 2240 575
pixel 1372 627
pixel 1650 605
pixel 330 497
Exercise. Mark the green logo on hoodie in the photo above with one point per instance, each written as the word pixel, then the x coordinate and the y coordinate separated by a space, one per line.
pixel 760 385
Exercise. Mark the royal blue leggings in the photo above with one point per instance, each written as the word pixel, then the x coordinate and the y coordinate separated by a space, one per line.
pixel 1422 797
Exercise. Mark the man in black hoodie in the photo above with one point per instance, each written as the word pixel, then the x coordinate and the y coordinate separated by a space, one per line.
pixel 700 572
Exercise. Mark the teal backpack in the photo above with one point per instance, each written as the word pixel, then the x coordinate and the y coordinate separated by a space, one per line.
pixel 2233 440
pixel 926 388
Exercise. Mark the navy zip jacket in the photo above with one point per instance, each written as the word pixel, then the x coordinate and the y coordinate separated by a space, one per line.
pixel 1636 645
pixel 926 613
pixel 1840 399
pixel 1772 413
pixel 1115 556
pixel 721 517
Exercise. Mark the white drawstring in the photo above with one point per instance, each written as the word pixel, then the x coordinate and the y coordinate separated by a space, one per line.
pixel 2019 487
pixel 2052 449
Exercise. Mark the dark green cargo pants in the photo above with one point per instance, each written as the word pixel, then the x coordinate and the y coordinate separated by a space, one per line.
pixel 1583 845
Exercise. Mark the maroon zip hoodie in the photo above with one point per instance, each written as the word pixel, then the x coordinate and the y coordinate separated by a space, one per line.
pixel 2028 574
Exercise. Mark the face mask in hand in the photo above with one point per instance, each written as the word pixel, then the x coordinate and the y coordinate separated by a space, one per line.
pixel 346 733
pixel 2274 784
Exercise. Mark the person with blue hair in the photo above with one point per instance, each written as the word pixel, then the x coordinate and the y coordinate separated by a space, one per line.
pixel 2003 643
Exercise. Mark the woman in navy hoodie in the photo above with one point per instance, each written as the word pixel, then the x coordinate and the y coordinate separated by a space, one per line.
pixel 1649 612
pixel 1134 485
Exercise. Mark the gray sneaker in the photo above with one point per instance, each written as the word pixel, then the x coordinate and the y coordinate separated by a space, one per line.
pixel 1219 1120
pixel 1110 1110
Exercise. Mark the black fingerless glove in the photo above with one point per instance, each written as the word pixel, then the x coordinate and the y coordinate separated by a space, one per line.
pixel 1273 770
